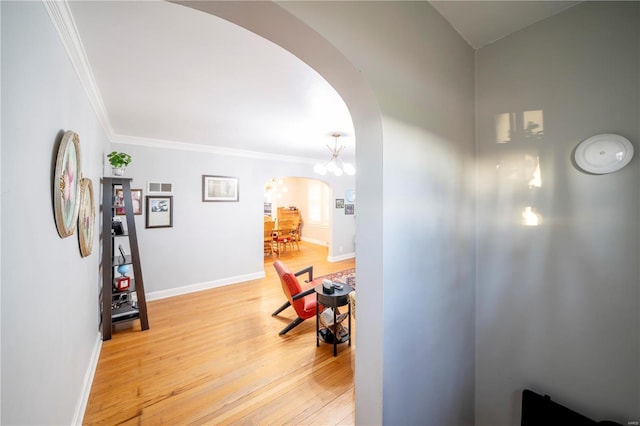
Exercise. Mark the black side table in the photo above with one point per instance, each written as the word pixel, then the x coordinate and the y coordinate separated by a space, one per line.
pixel 333 301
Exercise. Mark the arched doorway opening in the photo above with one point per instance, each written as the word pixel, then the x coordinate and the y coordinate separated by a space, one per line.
pixel 274 23
pixel 306 200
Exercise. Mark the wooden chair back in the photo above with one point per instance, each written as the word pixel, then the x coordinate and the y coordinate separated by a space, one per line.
pixel 286 226
pixel 268 229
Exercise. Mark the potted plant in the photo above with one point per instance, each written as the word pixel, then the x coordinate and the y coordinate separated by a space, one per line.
pixel 119 162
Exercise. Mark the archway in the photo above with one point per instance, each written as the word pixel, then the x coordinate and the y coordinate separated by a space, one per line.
pixel 274 23
pixel 310 198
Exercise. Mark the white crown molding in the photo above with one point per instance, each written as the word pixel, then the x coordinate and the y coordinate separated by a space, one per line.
pixel 184 146
pixel 65 25
pixel 63 21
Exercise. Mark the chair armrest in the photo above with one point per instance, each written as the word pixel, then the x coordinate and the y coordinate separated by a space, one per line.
pixel 303 293
pixel 309 270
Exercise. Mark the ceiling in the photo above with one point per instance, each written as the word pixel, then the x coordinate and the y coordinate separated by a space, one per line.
pixel 170 74
pixel 483 22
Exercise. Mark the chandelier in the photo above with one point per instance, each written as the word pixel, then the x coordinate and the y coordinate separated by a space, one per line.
pixel 335 165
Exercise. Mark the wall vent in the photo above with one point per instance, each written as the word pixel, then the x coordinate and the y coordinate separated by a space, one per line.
pixel 159 188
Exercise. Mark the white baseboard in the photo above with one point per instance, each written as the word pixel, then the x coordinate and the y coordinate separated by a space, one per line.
pixel 326 244
pixel 312 241
pixel 163 294
pixel 341 257
pixel 81 405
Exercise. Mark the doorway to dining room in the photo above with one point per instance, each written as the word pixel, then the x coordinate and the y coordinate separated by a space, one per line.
pixel 304 201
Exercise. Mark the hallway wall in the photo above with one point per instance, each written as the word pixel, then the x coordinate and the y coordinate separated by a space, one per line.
pixel 557 303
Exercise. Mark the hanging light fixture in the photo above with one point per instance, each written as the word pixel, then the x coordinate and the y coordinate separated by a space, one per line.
pixel 335 165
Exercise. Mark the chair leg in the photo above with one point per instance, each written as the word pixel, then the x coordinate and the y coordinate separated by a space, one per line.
pixel 291 325
pixel 281 308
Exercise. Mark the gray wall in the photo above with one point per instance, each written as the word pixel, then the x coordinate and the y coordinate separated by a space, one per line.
pixel 557 304
pixel 49 293
pixel 425 92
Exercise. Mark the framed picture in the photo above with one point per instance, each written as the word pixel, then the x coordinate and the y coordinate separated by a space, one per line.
pixel 219 188
pixel 136 194
pixel 66 184
pixel 339 203
pixel 349 208
pixel 159 211
pixel 86 217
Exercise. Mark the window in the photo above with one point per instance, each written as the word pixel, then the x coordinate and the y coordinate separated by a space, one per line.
pixel 318 199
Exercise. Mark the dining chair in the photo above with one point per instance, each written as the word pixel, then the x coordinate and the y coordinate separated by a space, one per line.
pixel 286 235
pixel 268 237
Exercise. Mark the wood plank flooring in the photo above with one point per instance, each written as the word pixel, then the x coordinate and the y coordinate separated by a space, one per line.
pixel 215 357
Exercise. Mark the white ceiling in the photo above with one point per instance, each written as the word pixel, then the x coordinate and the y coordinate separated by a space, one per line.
pixel 169 72
pixel 166 72
pixel 483 22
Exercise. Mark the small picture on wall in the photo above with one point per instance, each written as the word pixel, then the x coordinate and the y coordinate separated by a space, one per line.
pixel 136 194
pixel 339 203
pixel 159 212
pixel 349 208
pixel 219 188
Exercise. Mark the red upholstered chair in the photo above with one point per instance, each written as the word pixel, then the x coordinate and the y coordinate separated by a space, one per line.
pixel 302 298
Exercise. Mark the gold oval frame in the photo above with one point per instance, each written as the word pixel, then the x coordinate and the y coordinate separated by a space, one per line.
pixel 66 184
pixel 86 217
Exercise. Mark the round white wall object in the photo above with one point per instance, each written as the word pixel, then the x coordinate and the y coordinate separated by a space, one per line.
pixel 604 153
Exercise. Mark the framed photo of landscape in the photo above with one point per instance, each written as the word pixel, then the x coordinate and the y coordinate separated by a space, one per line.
pixel 159 211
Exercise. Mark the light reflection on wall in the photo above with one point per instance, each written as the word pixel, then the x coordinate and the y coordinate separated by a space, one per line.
pixel 533 124
pixel 536 175
pixel 504 123
pixel 520 162
pixel 521 168
pixel 513 127
pixel 530 217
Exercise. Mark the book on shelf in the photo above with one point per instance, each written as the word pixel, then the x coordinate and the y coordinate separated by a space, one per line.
pixel 326 317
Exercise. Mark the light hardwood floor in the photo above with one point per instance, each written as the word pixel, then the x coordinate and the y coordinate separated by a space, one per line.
pixel 215 357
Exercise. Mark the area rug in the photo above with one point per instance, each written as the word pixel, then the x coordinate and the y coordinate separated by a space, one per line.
pixel 347 276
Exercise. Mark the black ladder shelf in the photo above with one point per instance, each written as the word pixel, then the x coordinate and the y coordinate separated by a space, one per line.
pixel 125 309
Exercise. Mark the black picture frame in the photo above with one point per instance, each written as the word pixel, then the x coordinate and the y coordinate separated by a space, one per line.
pixel 159 211
pixel 339 203
pixel 349 209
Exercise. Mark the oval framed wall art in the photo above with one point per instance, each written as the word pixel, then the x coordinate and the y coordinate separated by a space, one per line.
pixel 66 184
pixel 86 217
